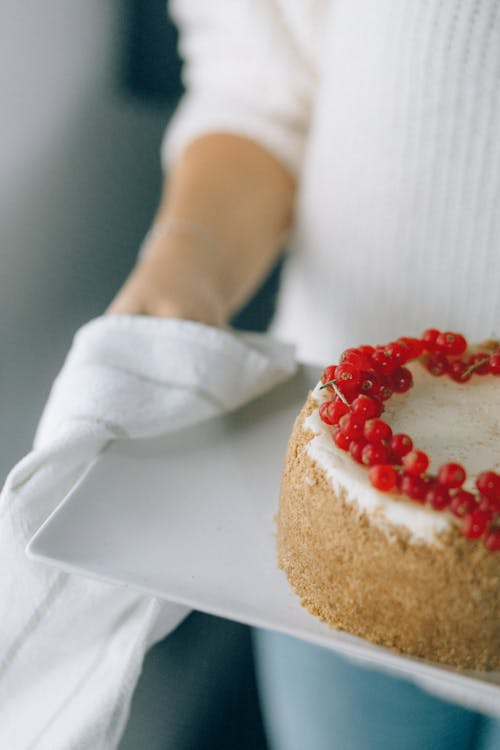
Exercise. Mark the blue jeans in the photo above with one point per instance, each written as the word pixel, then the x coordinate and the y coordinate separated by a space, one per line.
pixel 313 699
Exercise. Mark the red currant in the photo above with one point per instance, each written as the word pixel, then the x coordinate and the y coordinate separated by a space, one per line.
pixel 397 352
pixel 437 364
pixel 479 363
pixel 366 406
pixel 400 445
pixel 340 440
pixel 494 364
pixel 488 483
pixel 356 449
pixel 347 374
pixel 382 477
pixel 328 374
pixel 415 487
pixel 492 540
pixel 451 475
pixel 416 462
pixel 366 351
pixel 352 425
pixel 400 478
pixel 401 380
pixel 331 411
pixel 369 383
pixel 438 497
pixel 383 391
pixel 376 431
pixel 475 524
pixel 462 503
pixel 459 371
pixel 356 358
pixel 386 359
pixel 429 339
pixel 489 504
pixel 451 343
pixel 413 347
pixel 374 453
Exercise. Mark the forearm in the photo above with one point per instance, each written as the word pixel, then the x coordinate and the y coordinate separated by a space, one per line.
pixel 241 200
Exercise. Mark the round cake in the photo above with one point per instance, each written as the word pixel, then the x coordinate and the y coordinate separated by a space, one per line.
pixel 389 517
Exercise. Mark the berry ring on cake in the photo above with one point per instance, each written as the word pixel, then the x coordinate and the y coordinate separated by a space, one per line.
pixel 389 517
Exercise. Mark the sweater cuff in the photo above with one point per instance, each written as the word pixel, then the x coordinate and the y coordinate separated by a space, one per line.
pixel 196 117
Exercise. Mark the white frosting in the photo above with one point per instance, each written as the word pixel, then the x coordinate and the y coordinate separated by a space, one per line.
pixel 449 421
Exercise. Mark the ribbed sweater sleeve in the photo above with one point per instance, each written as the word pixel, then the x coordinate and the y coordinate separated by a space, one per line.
pixel 245 73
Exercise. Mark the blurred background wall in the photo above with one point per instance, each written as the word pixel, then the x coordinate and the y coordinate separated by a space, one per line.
pixel 87 89
pixel 79 179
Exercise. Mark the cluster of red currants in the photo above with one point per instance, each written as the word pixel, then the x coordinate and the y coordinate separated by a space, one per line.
pixel 366 377
pixel 444 357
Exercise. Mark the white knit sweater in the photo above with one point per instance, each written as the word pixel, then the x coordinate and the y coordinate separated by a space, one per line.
pixel 389 113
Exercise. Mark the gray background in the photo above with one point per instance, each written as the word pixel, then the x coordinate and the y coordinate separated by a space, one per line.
pixel 79 180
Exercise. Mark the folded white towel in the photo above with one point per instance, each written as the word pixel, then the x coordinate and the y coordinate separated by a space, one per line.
pixel 71 647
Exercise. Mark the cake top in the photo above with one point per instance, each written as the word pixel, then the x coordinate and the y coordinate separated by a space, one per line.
pixel 438 443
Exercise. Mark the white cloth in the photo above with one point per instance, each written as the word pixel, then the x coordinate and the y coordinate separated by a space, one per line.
pixel 251 68
pixel 388 112
pixel 71 647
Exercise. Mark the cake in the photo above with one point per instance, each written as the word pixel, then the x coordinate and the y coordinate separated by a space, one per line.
pixel 389 518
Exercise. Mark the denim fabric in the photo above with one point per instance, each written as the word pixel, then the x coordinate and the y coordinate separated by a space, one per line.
pixel 313 699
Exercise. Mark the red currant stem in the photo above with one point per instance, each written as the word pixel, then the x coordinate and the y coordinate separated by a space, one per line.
pixel 327 385
pixel 339 394
pixel 333 384
pixel 474 366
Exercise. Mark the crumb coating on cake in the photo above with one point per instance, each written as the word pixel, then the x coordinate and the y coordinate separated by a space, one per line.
pixel 440 602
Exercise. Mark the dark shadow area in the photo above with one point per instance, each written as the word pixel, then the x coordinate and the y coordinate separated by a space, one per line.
pixel 197 691
pixel 150 66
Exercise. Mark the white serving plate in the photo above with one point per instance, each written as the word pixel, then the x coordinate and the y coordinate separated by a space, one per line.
pixel 190 518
